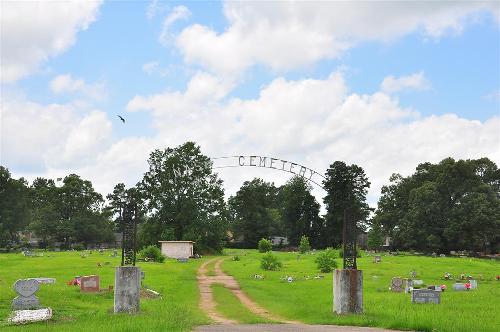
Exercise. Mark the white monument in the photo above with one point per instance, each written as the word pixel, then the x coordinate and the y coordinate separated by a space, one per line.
pixel 177 249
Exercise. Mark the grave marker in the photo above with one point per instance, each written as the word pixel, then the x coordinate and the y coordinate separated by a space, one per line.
pixel 89 283
pixel 425 296
pixel 473 284
pixel 28 316
pixel 377 259
pixel 459 287
pixel 418 282
pixel 46 280
pixel 398 284
pixel 26 299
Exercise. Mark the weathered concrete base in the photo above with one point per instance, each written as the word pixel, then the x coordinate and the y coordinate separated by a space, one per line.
pixel 127 289
pixel 348 291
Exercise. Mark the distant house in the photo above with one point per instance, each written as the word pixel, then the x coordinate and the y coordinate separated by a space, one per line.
pixel 279 240
pixel 177 249
pixel 30 238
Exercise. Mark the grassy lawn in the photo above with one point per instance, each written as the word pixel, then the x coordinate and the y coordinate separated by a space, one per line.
pixel 231 307
pixel 176 311
pixel 311 300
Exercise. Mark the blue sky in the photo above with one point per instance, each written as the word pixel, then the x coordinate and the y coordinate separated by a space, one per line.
pixel 303 81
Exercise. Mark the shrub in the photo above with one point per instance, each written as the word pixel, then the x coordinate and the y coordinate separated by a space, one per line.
pixel 151 253
pixel 265 245
pixel 304 245
pixel 78 247
pixel 270 262
pixel 326 260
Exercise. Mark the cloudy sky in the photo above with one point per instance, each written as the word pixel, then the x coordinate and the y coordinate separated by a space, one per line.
pixel 385 85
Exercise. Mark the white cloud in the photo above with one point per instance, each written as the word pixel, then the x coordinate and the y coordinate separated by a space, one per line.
pixel 36 136
pixel 32 32
pixel 286 35
pixel 493 96
pixel 150 67
pixel 416 81
pixel 314 122
pixel 310 121
pixel 178 13
pixel 67 84
pixel 152 9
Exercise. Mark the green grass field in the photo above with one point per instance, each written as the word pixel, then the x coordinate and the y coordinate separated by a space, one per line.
pixel 309 301
pixel 176 311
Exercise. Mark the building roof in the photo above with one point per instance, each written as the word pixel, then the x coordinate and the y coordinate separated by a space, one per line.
pixel 176 242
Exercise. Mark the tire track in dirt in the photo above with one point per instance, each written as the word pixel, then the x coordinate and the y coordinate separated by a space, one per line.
pixel 208 304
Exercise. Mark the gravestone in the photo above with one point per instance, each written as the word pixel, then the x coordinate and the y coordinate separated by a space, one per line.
pixel 377 259
pixel 28 316
pixel 459 287
pixel 398 284
pixel 413 274
pixel 418 282
pixel 26 299
pixel 409 285
pixel 89 283
pixel 182 260
pixel 46 280
pixel 473 284
pixel 425 296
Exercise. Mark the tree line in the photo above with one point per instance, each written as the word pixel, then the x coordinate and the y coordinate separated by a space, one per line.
pixel 447 206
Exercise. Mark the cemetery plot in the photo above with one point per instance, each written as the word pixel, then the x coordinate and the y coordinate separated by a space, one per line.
pixel 306 299
pixel 425 296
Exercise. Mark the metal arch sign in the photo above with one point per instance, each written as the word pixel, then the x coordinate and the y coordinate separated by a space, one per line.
pixel 349 223
pixel 274 163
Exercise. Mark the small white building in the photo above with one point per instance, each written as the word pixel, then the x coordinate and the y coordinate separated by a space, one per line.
pixel 177 249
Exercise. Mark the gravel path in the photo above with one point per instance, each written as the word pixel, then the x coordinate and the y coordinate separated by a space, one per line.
pixel 224 324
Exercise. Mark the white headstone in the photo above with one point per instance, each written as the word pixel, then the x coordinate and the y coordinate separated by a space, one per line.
pixel 27 316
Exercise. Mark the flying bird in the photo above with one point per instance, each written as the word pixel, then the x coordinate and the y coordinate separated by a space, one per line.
pixel 123 120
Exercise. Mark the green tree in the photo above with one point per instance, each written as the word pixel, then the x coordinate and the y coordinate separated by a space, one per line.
pixel 14 207
pixel 300 212
pixel 346 188
pixel 45 217
pixel 254 212
pixel 304 245
pixel 116 203
pixel 452 205
pixel 70 213
pixel 264 245
pixel 375 237
pixel 183 199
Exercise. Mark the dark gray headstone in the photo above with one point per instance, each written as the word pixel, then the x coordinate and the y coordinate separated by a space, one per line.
pixel 425 296
pixel 25 303
pixel 26 287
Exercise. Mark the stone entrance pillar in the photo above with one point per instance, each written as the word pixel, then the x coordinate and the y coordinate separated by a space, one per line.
pixel 348 291
pixel 127 289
